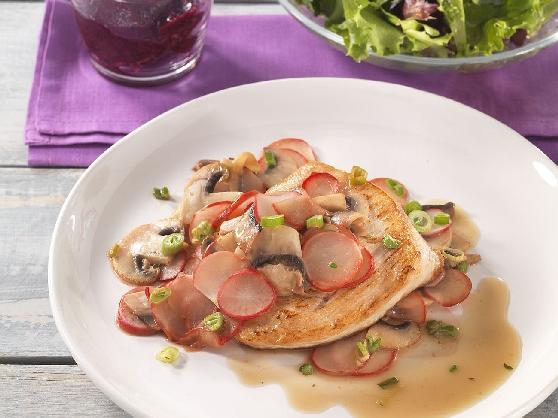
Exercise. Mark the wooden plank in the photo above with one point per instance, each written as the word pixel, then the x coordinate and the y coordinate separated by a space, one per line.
pixel 35 391
pixel 30 200
pixel 66 391
pixel 20 23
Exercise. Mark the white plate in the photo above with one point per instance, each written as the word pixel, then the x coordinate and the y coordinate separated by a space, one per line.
pixel 437 147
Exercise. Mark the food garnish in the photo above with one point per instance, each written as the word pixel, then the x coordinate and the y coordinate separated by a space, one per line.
pixel 442 218
pixel 439 328
pixel 161 193
pixel 358 175
pixel 113 252
pixel 453 368
pixel 507 366
pixel 388 382
pixel 390 243
pixel 397 188
pixel 168 354
pixel 214 321
pixel 463 266
pixel 411 206
pixel 316 221
pixel 172 244
pixel 201 231
pixel 272 221
pixel 306 369
pixel 421 220
pixel 270 159
pixel 159 294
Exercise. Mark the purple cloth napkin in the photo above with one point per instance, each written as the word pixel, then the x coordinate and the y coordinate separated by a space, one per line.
pixel 75 114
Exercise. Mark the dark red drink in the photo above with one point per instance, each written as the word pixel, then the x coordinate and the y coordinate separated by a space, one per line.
pixel 143 40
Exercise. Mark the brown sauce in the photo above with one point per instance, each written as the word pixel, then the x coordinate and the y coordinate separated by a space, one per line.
pixel 426 386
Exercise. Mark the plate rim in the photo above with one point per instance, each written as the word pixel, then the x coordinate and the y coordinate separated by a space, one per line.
pixel 112 391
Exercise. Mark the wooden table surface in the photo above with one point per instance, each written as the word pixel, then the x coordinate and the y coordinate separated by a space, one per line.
pixel 38 377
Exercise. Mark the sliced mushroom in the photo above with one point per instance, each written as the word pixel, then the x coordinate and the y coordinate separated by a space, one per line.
pixel 332 202
pixel 399 336
pixel 355 221
pixel 139 256
pixel 273 241
pixel 139 304
pixel 246 230
pixel 250 181
pixel 448 208
pixel 285 279
pixel 197 189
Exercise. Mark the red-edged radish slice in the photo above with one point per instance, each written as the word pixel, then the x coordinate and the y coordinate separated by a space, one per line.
pixel 410 308
pixel 327 228
pixel 200 337
pixel 236 208
pixel 379 362
pixel 246 294
pixel 208 213
pixel 297 209
pixel 382 183
pixel 339 358
pixel 332 260
pixel 288 161
pixel 295 144
pixel 263 205
pixel 366 268
pixel 213 270
pixel 320 184
pixel 401 336
pixel 441 240
pixel 129 322
pixel 451 290
pixel 436 229
pixel 169 271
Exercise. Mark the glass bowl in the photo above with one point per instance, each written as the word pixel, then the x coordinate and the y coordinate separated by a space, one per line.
pixel 547 36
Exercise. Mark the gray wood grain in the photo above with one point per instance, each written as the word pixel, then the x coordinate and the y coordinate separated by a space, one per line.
pixel 66 391
pixel 20 23
pixel 30 200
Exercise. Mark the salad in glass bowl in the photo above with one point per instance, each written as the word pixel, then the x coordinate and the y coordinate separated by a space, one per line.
pixel 443 34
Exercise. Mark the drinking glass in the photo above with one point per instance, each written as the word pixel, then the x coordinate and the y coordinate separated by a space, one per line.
pixel 143 41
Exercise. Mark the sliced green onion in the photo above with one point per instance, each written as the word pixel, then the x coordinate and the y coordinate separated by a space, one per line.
pixel 397 188
pixel 454 256
pixel 172 244
pixel 442 218
pixel 373 344
pixel 168 354
pixel 421 220
pixel 453 368
pixel 332 265
pixel 113 252
pixel 201 231
pixel 388 382
pixel 316 221
pixel 270 159
pixel 214 321
pixel 463 267
pixel 390 243
pixel 439 328
pixel 272 221
pixel 159 294
pixel 411 206
pixel 306 369
pixel 358 175
pixel 362 349
pixel 162 193
pixel 507 366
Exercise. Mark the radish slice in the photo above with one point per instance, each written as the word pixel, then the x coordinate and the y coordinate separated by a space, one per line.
pixel 320 184
pixel 436 229
pixel 382 183
pixel 209 213
pixel 295 144
pixel 332 260
pixel 246 294
pixel 181 316
pixel 263 205
pixel 366 268
pixel 327 228
pixel 400 336
pixel 453 289
pixel 410 308
pixel 378 362
pixel 288 161
pixel 213 270
pixel 236 208
pixel 441 240
pixel 176 265
pixel 297 209
pixel 339 358
pixel 129 322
